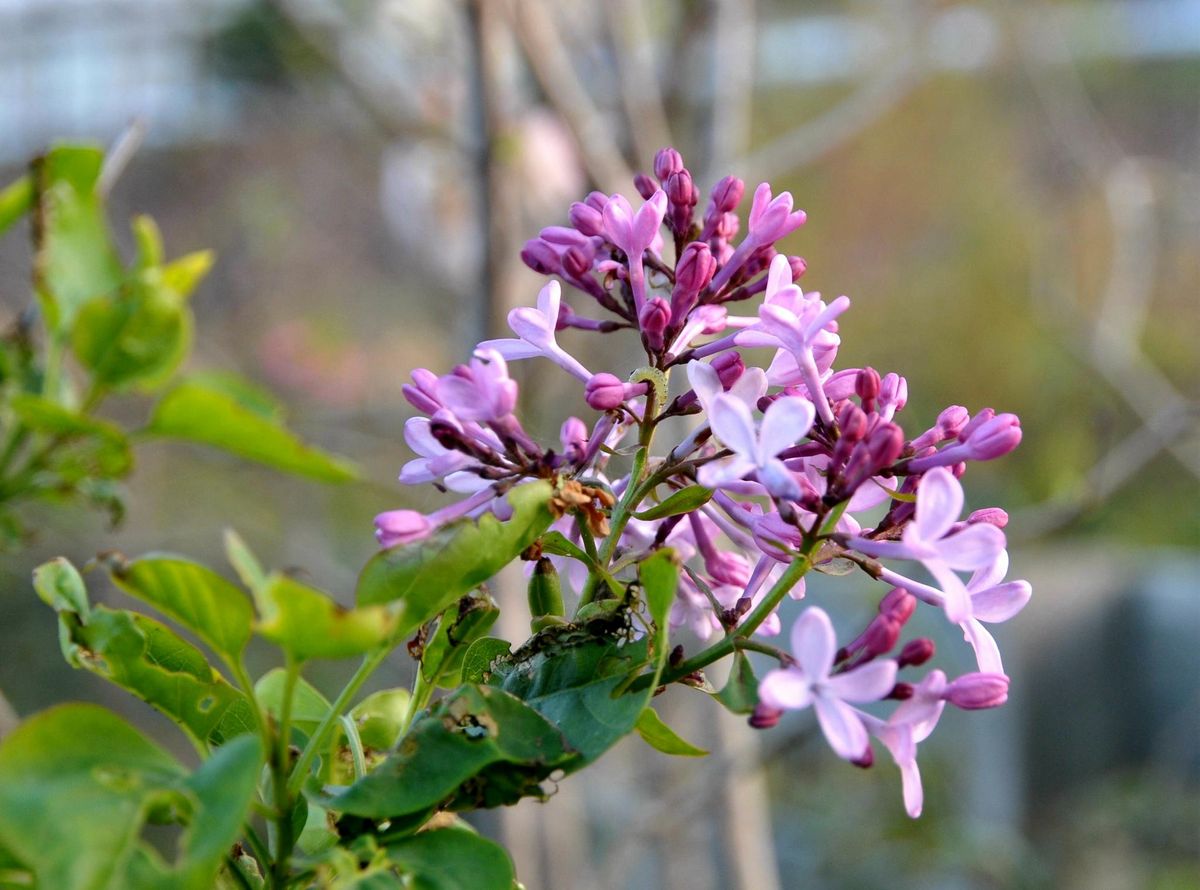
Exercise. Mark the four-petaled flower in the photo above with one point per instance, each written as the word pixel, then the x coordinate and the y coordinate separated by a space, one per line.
pixel 810 682
pixel 536 328
pixel 784 422
pixel 930 539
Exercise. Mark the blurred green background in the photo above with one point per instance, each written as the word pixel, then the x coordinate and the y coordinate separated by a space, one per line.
pixel 1009 192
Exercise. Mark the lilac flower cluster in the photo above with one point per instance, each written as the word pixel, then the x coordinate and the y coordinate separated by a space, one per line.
pixel 805 466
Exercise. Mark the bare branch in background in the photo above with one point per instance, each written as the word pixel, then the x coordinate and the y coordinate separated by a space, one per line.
pixel 8 717
pixel 533 23
pixel 641 92
pixel 733 71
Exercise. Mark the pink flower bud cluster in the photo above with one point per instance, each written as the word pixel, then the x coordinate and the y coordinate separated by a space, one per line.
pixel 794 452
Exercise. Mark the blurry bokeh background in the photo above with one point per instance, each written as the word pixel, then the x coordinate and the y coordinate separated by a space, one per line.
pixel 1010 192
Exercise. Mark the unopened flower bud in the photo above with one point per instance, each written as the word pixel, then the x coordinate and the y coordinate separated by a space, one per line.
pixel 653 320
pixel 692 274
pixel 898 605
pixel 540 257
pixel 666 162
pixel 893 393
pixel 976 691
pixel 951 421
pixel 901 692
pixel 995 437
pixel 421 393
pixel 604 391
pixel 916 652
pixel 573 435
pixel 646 187
pixel 990 515
pixel 401 527
pixel 596 200
pixel 799 266
pixel 880 636
pixel 729 367
pixel 765 717
pixel 586 219
pixel 866 387
pixel 975 423
pixel 545 591
pixel 727 194
pixel 680 190
pixel 576 262
pixel 893 600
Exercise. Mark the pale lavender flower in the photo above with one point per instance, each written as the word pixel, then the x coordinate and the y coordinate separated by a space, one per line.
pixel 910 724
pixel 929 539
pixel 810 682
pixel 784 423
pixel 482 391
pixel 536 328
pixel 634 233
pixel 437 461
pixel 771 218
pixel 994 437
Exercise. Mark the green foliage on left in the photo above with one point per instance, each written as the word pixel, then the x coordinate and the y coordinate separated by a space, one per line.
pixel 72 810
pixel 105 326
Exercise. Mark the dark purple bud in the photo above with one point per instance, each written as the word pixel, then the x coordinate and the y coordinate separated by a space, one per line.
pixel 916 652
pixel 680 191
pixel 976 691
pixel 586 219
pixel 692 274
pixel 765 717
pixel 885 444
pixel 991 515
pixel 866 386
pixel 729 367
pixel 653 320
pixel 852 422
pixel 604 392
pixel 892 600
pixel 646 187
pixel 901 608
pixel 880 636
pixel 799 267
pixel 563 236
pixel 541 257
pixel 901 692
pixel 576 262
pixel 866 761
pixel 666 162
pixel 727 194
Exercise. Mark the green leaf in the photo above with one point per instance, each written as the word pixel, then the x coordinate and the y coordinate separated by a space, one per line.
pixel 102 447
pixel 309 706
pixel 477 662
pixel 480 747
pixel 60 587
pixel 308 624
pixel 662 738
pixel 155 664
pixel 457 628
pixel 558 544
pixel 77 784
pixel 683 501
pixel 199 411
pixel 660 580
pixel 429 576
pixel 574 679
pixel 74 257
pixel 16 199
pixel 740 693
pixel 195 596
pixel 452 859
pixel 138 334
pixel 380 717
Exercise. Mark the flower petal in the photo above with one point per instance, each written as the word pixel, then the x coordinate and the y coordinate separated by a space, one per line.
pixel 705 382
pixel 814 643
pixel 987 653
pixel 785 422
pixel 975 547
pixel 870 682
pixel 723 473
pixel 733 424
pixel 785 688
pixel 956 599
pixel 843 728
pixel 750 387
pixel 548 300
pixel 939 503
pixel 532 326
pixel 1001 602
pixel 512 349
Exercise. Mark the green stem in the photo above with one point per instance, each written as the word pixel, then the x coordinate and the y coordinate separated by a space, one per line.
pixel 279 776
pixel 369 664
pixel 765 648
pixel 356 747
pixel 422 691
pixel 740 636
